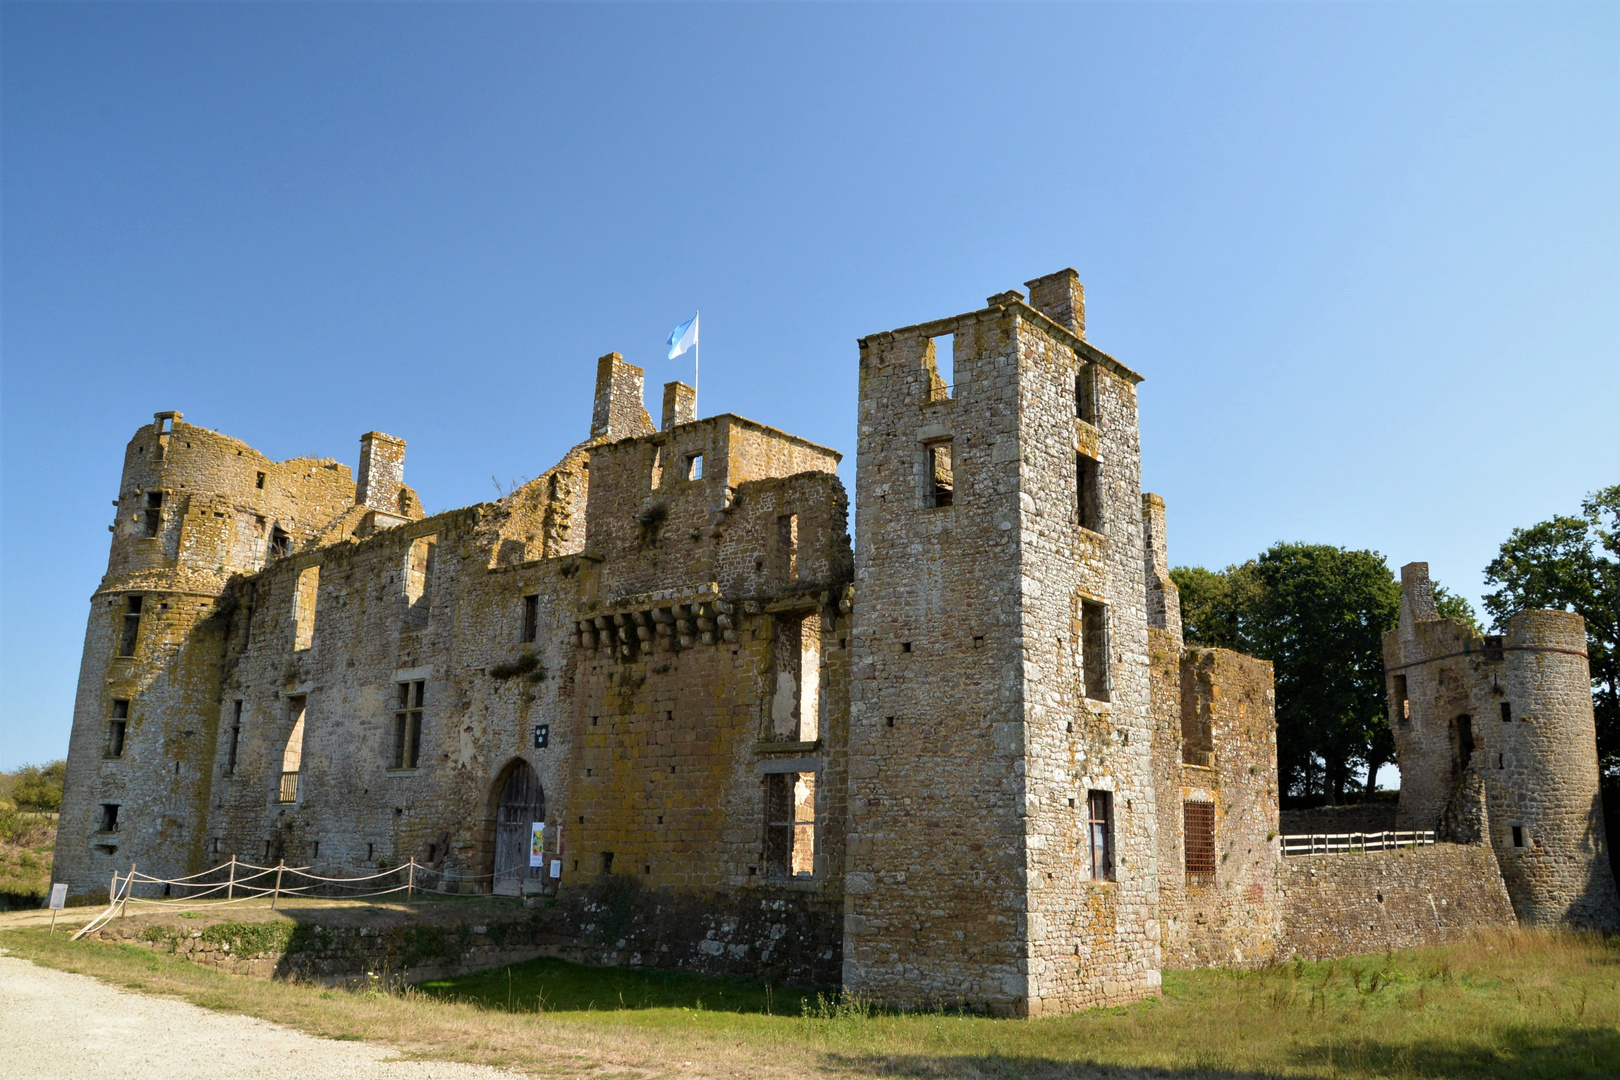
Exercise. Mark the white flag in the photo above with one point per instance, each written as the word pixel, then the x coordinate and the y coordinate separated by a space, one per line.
pixel 683 337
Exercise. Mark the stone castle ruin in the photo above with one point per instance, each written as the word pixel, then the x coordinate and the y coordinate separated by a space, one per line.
pixel 968 761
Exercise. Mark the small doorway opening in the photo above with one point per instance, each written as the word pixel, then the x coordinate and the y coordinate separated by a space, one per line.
pixel 521 805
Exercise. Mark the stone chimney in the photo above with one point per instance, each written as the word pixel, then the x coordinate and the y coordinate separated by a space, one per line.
pixel 1163 599
pixel 1061 298
pixel 680 405
pixel 382 472
pixel 619 412
pixel 1417 597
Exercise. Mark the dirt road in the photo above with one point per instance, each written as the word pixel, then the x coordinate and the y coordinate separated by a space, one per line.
pixel 57 1026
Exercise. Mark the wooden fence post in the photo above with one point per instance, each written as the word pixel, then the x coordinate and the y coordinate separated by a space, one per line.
pixel 230 886
pixel 410 880
pixel 277 895
pixel 129 886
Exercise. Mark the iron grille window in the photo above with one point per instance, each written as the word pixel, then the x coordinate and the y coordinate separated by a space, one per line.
pixel 408 724
pixel 790 824
pixel 1198 823
pixel 1100 830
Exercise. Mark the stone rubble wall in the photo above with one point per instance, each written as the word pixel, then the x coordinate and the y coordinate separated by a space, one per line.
pixel 1345 905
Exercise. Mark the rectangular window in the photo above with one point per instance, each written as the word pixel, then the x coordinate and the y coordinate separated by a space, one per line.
pixel 119 728
pixel 658 468
pixel 1518 834
pixel 531 618
pixel 1198 823
pixel 1403 706
pixel 132 627
pixel 308 591
pixel 1094 649
pixel 790 824
pixel 694 467
pixel 1100 834
pixel 942 372
pixel 1085 394
pixel 1088 482
pixel 408 724
pixel 154 513
pixel 418 580
pixel 795 705
pixel 236 738
pixel 109 817
pixel 1465 741
pixel 941 474
pixel 280 543
pixel 258 480
pixel 1507 713
pixel 787 545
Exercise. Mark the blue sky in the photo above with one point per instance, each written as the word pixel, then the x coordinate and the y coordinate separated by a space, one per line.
pixel 1365 255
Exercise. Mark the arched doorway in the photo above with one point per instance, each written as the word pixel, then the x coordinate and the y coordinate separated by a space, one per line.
pixel 521 803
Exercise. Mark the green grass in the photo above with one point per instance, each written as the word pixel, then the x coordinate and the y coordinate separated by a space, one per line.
pixel 27 841
pixel 1520 1004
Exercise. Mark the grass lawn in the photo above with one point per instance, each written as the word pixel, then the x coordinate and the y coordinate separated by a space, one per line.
pixel 1520 1004
pixel 26 843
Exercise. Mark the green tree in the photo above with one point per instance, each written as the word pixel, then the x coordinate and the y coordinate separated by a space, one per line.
pixel 1572 564
pixel 1318 613
pixel 1457 608
pixel 39 787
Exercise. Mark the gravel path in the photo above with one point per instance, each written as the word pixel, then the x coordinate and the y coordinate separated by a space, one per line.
pixel 58 1026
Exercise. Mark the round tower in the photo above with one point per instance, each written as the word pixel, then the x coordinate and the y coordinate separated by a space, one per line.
pixel 1534 698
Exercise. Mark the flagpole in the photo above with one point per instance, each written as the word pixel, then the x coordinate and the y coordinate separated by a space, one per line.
pixel 697 348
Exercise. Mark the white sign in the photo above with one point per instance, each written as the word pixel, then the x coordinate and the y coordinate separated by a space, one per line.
pixel 537 843
pixel 58 896
pixel 556 868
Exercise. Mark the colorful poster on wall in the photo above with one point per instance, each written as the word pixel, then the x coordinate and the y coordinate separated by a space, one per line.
pixel 537 843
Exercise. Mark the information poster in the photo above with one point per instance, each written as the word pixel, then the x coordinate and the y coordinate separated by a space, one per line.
pixel 537 843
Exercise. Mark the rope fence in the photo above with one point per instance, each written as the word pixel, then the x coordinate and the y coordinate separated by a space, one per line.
pixel 238 881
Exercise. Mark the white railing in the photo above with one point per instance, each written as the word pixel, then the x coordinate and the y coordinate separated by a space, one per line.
pixel 1339 843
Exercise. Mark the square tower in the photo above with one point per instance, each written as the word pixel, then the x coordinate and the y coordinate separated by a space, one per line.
pixel 1002 818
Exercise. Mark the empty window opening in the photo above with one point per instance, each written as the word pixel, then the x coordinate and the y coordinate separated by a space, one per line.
pixel 214 846
pixel 371 852
pixel 1493 647
pixel 418 579
pixel 109 818
pixel 292 755
pixel 433 853
pixel 1518 834
pixel 1085 394
pixel 280 543
pixel 1507 712
pixel 607 862
pixel 132 626
pixel 905 646
pixel 309 588
pixel 1198 821
pixel 153 513
pixel 1197 724
pixel 694 466
pixel 796 664
pixel 119 728
pixel 1501 761
pixel 941 476
pixel 1100 834
pixel 236 738
pixel 1403 704
pixel 408 724
pixel 258 480
pixel 1094 649
pixel 787 545
pixel 941 358
pixel 315 850
pixel 531 618
pixel 1088 478
pixel 1465 741
pixel 657 480
pixel 790 824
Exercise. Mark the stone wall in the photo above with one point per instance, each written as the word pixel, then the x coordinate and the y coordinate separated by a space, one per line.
pixel 1343 905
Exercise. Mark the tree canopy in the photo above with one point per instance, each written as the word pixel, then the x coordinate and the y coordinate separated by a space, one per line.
pixel 1572 564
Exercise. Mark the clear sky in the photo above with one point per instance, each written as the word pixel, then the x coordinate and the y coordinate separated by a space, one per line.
pixel 1365 255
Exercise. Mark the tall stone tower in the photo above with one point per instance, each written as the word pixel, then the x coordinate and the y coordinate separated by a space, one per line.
pixel 1002 820
pixel 1495 739
pixel 194 508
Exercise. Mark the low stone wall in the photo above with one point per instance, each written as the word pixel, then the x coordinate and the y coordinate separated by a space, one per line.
pixel 785 936
pixel 1342 905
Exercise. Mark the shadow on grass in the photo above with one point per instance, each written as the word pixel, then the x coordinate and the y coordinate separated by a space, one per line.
pixel 999 1067
pixel 551 985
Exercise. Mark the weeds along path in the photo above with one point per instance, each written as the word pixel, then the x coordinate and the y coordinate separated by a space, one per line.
pixel 59 1026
